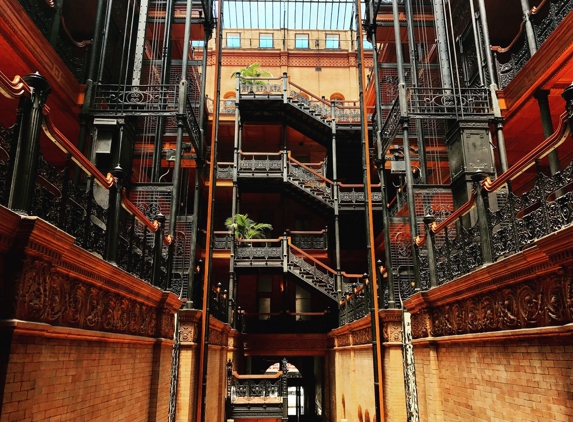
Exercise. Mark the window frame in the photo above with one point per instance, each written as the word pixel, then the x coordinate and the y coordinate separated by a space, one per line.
pixel 269 35
pixel 302 37
pixel 233 36
pixel 330 38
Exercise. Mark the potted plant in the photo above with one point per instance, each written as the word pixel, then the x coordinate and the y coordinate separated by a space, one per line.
pixel 252 71
pixel 242 227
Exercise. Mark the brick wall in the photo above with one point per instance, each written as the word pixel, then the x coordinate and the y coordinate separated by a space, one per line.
pixel 484 379
pixel 393 373
pixel 67 374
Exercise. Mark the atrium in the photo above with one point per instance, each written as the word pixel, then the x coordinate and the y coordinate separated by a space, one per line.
pixel 294 210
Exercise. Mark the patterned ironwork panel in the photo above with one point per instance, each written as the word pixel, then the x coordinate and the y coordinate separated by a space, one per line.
pixel 520 220
pixel 438 202
pixel 182 242
pixel 402 261
pixel 447 103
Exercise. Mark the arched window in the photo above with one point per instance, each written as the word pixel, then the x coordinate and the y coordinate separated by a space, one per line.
pixel 337 96
pixel 228 103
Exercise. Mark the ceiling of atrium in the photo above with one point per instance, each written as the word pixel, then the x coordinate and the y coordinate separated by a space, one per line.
pixel 291 14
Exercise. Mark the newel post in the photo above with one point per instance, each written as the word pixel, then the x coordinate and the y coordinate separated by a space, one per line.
pixel 28 146
pixel 483 220
pixel 113 215
pixel 428 221
pixel 158 249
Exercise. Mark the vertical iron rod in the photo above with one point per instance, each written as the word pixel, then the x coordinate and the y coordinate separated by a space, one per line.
pixel 374 314
pixel 381 164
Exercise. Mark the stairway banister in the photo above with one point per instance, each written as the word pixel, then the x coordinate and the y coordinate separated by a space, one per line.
pixel 261 78
pixel 309 169
pixel 256 376
pixel 464 209
pixel 14 88
pixel 259 240
pixel 58 138
pixel 502 50
pixel 136 212
pixel 260 153
pixel 315 261
pixel 307 232
pixel 310 94
pixel 544 148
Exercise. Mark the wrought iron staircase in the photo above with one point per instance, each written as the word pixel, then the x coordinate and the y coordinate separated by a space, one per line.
pixel 279 98
pixel 307 180
pixel 281 253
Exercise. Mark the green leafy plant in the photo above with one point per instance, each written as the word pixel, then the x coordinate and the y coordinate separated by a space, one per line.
pixel 252 71
pixel 242 227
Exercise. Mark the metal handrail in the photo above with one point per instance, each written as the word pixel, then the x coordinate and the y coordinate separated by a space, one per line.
pixel 544 148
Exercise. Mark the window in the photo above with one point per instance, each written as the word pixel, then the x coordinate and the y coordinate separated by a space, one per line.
pixel 266 40
pixel 234 40
pixel 197 43
pixel 366 45
pixel 301 41
pixel 332 41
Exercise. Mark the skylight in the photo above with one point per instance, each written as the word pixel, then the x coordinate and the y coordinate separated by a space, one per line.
pixel 290 14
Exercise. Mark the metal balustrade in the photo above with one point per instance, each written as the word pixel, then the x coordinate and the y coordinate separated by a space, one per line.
pixel 257 395
pixel 453 247
pixel 91 212
pixel 448 103
pixel 511 59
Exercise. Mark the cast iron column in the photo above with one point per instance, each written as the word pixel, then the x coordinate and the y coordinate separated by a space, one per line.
pixel 414 73
pixel 113 214
pixel 531 43
pixel 543 102
pixel 336 197
pixel 380 163
pixel 28 147
pixel 405 120
pixel 498 118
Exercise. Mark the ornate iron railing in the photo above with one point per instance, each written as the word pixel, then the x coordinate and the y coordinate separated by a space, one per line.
pixel 252 395
pixel 43 14
pixel 310 239
pixel 448 103
pixel 259 250
pixel 355 303
pixel 260 163
pixel 511 59
pixel 456 247
pixel 139 99
pixel 83 211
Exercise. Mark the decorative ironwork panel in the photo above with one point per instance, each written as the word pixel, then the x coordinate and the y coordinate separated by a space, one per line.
pixel 136 99
pixel 310 241
pixel 255 251
pixel 448 103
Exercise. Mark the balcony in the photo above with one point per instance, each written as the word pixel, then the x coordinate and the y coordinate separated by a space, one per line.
pixel 545 20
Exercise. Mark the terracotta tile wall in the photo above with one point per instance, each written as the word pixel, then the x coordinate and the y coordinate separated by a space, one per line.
pixel 76 379
pixel 496 381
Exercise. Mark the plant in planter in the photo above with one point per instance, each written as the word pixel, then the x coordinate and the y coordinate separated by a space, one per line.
pixel 242 227
pixel 252 71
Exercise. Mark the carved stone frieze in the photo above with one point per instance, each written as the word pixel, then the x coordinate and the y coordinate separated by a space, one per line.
pixel 363 336
pixel 541 302
pixel 47 294
pixel 343 340
pixel 392 331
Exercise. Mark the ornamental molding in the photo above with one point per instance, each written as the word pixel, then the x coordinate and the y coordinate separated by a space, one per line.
pixel 46 294
pixel 58 283
pixel 532 289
